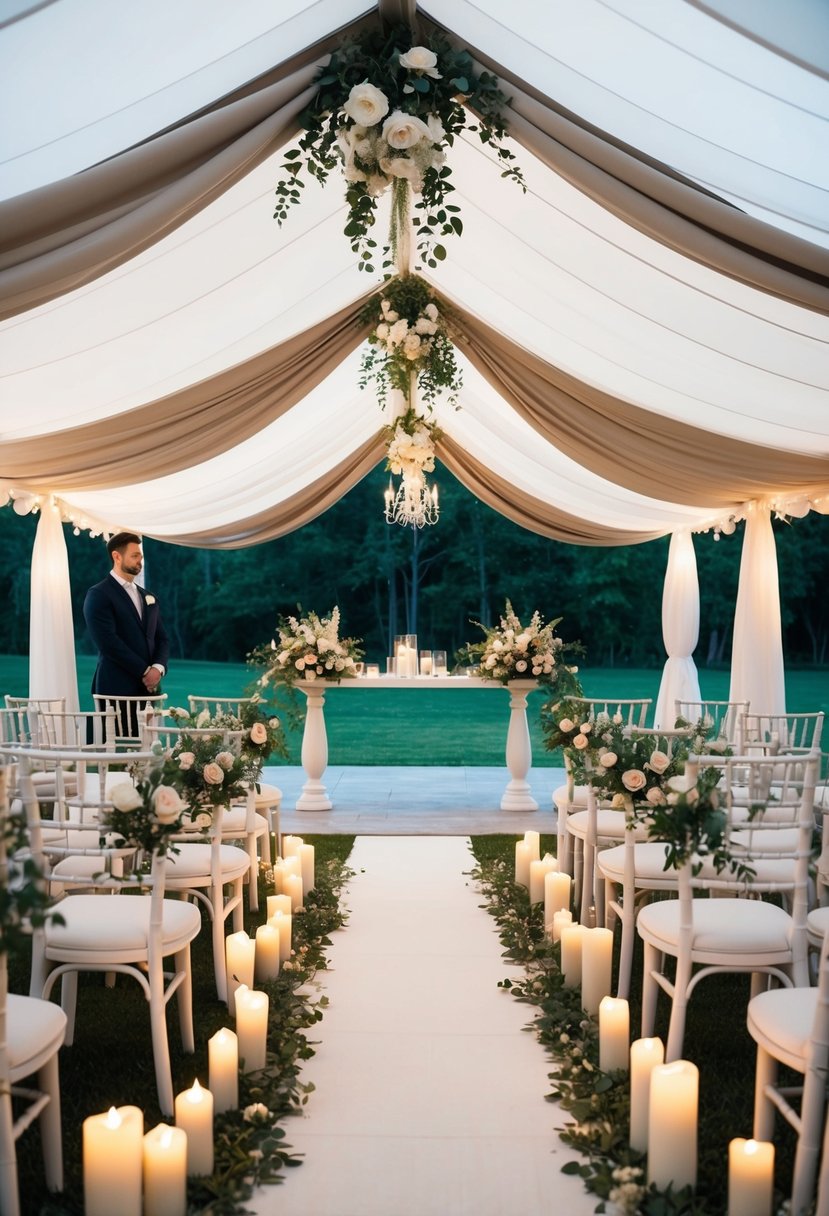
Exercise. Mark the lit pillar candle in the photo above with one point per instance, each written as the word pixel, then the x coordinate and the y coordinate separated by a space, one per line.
pixel 223 1065
pixel 283 922
pixel 240 955
pixel 291 865
pixel 614 1034
pixel 538 873
pixel 556 895
pixel 165 1171
pixel 293 887
pixel 278 903
pixel 571 937
pixel 291 846
pixel 252 1028
pixel 113 1156
pixel 672 1125
pixel 522 863
pixel 306 861
pixel 596 967
pixel 750 1177
pixel 278 876
pixel 645 1055
pixel 533 842
pixel 194 1115
pixel 266 962
pixel 563 917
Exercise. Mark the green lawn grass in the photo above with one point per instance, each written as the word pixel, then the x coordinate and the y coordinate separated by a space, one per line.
pixel 421 727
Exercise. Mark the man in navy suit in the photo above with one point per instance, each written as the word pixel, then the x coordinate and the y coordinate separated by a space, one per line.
pixel 124 623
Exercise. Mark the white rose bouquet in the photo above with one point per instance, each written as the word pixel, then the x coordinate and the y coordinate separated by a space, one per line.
pixel 308 648
pixel 263 734
pixel 147 808
pixel 512 651
pixel 207 772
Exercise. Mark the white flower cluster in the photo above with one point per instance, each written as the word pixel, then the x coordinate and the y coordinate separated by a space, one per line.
pixel 396 335
pixel 412 453
pixel 404 146
pixel 310 647
pixel 514 652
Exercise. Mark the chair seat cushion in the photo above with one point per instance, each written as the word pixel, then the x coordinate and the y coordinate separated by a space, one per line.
pixel 117 927
pixel 817 926
pixel 234 822
pixel 35 1030
pixel 781 1021
pixel 562 799
pixel 649 868
pixel 268 795
pixel 610 825
pixel 729 928
pixel 192 862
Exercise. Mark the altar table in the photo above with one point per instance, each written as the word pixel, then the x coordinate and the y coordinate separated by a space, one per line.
pixel 517 795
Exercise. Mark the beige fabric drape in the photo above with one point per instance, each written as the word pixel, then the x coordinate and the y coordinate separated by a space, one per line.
pixel 646 452
pixel 190 426
pixel 524 509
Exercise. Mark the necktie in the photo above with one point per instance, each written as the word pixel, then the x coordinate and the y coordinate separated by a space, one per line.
pixel 132 592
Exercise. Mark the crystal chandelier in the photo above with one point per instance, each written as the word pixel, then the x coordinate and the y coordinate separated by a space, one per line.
pixel 414 503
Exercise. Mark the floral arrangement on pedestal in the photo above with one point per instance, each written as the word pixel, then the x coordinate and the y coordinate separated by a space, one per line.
pixel 512 651
pixel 147 807
pixel 309 648
pixel 263 735
pixel 386 111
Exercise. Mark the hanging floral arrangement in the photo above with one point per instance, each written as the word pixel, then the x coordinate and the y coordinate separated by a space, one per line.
pixel 386 112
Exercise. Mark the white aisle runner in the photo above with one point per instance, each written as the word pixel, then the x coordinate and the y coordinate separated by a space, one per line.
pixel 429 1095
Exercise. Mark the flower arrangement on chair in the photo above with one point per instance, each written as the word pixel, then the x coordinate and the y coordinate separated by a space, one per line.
pixel 263 734
pixel 147 809
pixel 309 648
pixel 209 773
pixel 512 651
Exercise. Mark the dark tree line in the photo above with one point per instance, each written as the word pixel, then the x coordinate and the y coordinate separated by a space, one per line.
pixel 219 604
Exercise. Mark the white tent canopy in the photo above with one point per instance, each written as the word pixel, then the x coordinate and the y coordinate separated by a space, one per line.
pixel 644 332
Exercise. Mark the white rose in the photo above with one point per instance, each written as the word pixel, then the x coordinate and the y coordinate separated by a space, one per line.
pixel 203 719
pixel 401 131
pixel 402 166
pixel 679 784
pixel 225 759
pixel 258 733
pixel 521 665
pixel 522 641
pixel 125 797
pixel 435 129
pixel 300 664
pixel 213 774
pixel 617 718
pixel 421 59
pixel 717 745
pixel 658 762
pixel 167 805
pixel 366 104
pixel 634 779
pixel 186 760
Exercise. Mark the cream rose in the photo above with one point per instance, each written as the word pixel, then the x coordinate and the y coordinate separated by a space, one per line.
pixel 401 131
pixel 608 759
pixel 213 774
pixel 580 742
pixel 586 728
pixel 366 104
pixel 655 796
pixel 186 760
pixel 125 797
pixel 566 725
pixel 258 733
pixel 658 762
pixel 634 779
pixel 225 759
pixel 421 59
pixel 618 802
pixel 167 805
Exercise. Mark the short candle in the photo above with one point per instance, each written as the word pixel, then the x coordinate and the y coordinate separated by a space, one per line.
pixel 538 874
pixel 252 1028
pixel 571 938
pixel 672 1125
pixel 533 841
pixel 113 1158
pixel 223 1065
pixel 522 863
pixel 165 1171
pixel 556 896
pixel 306 861
pixel 266 962
pixel 563 917
pixel 293 887
pixel 596 967
pixel 283 921
pixel 278 903
pixel 645 1054
pixel 614 1034
pixel 240 956
pixel 750 1177
pixel 290 846
pixel 194 1113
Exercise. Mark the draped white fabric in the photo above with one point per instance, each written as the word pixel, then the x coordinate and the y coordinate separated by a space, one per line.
pixel 680 630
pixel 52 671
pixel 757 673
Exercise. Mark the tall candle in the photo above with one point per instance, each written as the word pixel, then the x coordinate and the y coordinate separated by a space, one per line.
pixel 194 1114
pixel 283 921
pixel 306 861
pixel 750 1177
pixel 645 1055
pixel 278 876
pixel 522 863
pixel 252 1028
pixel 240 955
pixel 533 841
pixel 571 936
pixel 672 1125
pixel 165 1171
pixel 266 962
pixel 556 894
pixel 223 1065
pixel 290 846
pixel 596 967
pixel 614 1034
pixel 278 903
pixel 538 873
pixel 293 887
pixel 113 1157
pixel 291 865
pixel 563 917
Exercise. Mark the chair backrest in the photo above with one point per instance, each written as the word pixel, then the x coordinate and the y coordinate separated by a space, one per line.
pixel 55 704
pixel 14 726
pixel 633 711
pixel 725 717
pixel 77 729
pixel 784 731
pixel 218 705
pixel 168 737
pixel 130 712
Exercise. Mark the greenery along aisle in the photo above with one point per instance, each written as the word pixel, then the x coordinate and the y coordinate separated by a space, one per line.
pixel 111 1062
pixel 598 1103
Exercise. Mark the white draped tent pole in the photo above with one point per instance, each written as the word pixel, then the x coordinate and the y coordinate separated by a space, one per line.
pixel 757 672
pixel 52 670
pixel 680 630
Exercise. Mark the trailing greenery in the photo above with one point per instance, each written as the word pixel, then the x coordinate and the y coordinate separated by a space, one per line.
pixel 598 1103
pixel 111 1062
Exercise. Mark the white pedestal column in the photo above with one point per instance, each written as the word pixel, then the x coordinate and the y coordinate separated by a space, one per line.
pixel 518 795
pixel 314 796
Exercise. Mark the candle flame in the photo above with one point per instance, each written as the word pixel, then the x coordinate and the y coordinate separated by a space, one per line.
pixel 751 1146
pixel 113 1119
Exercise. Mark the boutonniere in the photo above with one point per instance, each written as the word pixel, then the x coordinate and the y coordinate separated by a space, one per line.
pixel 149 599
